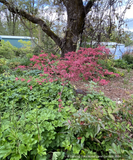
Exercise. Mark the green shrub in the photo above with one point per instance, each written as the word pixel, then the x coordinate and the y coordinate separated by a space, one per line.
pixel 34 124
pixel 110 63
pixel 3 66
pixel 19 52
pixel 22 52
pixel 128 58
pixel 25 61
pixel 26 49
pixel 33 127
pixel 102 127
pixel 29 55
pixel 37 50
pixel 121 63
pixel 2 61
pixel 26 73
pixel 107 64
pixel 12 65
pixel 14 62
pixel 7 50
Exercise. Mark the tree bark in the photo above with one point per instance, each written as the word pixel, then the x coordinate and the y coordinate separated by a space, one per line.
pixel 76 13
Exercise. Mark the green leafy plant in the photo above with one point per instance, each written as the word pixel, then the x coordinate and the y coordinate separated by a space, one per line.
pixel 36 108
pixel 29 55
pixel 44 120
pixel 7 50
pixel 26 73
pixel 31 134
pixel 3 65
pixel 26 49
pixel 25 44
pixel 121 64
pixel 41 117
pixel 15 62
pixel 128 58
pixel 37 50
pixel 25 61
pixel 101 129
pixel 108 64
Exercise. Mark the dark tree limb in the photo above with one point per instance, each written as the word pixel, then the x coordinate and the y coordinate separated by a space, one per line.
pixel 89 5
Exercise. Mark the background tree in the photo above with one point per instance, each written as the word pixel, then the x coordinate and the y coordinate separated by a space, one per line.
pixel 90 16
pixel 12 23
pixel 2 29
pixel 76 13
pixel 105 21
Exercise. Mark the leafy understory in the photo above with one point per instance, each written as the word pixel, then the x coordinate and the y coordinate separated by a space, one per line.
pixel 43 117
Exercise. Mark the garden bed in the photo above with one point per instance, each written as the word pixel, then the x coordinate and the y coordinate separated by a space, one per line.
pixel 119 88
pixel 43 117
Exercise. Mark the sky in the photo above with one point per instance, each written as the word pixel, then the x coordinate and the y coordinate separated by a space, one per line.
pixel 129 18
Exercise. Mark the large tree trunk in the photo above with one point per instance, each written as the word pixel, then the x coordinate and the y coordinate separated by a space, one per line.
pixel 75 24
pixel 76 13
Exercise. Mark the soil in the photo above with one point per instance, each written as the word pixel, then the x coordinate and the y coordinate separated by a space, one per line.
pixel 119 88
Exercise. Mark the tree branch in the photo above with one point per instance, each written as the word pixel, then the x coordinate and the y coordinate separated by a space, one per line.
pixel 89 5
pixel 33 19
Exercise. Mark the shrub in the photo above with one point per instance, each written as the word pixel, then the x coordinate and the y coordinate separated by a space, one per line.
pixel 19 52
pixel 37 50
pixel 7 50
pixel 101 130
pixel 121 63
pixel 75 66
pixel 29 55
pixel 26 73
pixel 25 61
pixel 26 104
pixel 107 64
pixel 39 121
pixel 44 119
pixel 25 49
pixel 15 62
pixel 3 65
pixel 128 58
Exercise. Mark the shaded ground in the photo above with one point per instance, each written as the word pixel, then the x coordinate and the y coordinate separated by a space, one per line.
pixel 119 88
